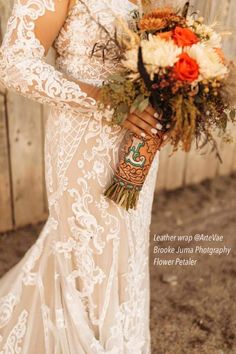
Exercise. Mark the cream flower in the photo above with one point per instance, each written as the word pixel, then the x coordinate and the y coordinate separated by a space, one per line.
pixel 131 60
pixel 210 64
pixel 215 40
pixel 160 53
pixel 190 21
pixel 204 31
pixel 157 53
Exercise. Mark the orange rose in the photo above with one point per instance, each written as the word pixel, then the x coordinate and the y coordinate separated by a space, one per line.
pixel 186 69
pixel 165 35
pixel 184 37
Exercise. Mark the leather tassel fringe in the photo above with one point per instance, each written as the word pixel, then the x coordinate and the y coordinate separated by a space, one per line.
pixel 125 195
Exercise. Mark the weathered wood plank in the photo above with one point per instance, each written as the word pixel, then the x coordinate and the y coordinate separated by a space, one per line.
pixel 171 169
pixel 234 161
pixel 200 166
pixel 6 222
pixel 163 168
pixel 2 90
pixel 5 10
pixel 229 151
pixel 227 154
pixel 26 138
pixel 6 213
pixel 230 26
pixel 176 169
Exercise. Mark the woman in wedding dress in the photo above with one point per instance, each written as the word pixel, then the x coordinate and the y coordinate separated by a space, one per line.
pixel 83 287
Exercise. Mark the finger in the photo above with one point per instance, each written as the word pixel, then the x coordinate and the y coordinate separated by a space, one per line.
pixel 142 124
pixel 133 128
pixel 136 130
pixel 147 118
pixel 153 112
pixel 148 129
pixel 150 110
pixel 154 121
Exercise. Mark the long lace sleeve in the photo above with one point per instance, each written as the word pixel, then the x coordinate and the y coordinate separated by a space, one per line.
pixel 22 61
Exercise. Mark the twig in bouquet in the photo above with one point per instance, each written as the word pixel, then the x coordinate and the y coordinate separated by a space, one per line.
pixel 209 140
pixel 149 85
pixel 133 23
pixel 185 9
pixel 143 71
pixel 105 47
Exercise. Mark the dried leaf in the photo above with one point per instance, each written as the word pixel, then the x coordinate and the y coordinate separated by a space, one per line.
pixel 117 78
pixel 120 117
pixel 122 108
pixel 232 114
pixel 143 105
pixel 116 87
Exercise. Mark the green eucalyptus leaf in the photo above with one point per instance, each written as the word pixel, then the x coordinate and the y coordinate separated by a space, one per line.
pixel 134 107
pixel 139 99
pixel 143 105
pixel 120 117
pixel 122 108
pixel 232 114
pixel 224 123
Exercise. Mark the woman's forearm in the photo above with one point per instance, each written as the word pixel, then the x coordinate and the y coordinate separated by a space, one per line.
pixel 37 80
pixel 22 61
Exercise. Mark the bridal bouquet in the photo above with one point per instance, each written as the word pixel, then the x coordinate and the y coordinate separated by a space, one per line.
pixel 174 62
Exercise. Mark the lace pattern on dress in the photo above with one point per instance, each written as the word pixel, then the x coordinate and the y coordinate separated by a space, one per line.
pixel 87 274
pixel 22 65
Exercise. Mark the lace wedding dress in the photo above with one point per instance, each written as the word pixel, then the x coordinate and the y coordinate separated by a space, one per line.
pixel 83 287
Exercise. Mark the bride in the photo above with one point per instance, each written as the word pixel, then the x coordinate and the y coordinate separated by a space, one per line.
pixel 83 287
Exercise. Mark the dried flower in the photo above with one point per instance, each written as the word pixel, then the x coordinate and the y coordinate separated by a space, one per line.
pixel 152 24
pixel 158 19
pixel 163 13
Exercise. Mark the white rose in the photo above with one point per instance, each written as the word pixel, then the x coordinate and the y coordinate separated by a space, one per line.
pixel 210 65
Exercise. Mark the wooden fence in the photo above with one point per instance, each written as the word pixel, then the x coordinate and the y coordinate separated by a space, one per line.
pixel 22 187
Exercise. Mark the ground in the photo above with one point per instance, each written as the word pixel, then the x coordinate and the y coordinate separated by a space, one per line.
pixel 193 308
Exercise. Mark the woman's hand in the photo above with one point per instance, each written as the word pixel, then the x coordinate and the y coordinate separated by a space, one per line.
pixel 146 123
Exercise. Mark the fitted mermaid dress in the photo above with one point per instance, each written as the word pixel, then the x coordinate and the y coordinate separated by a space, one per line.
pixel 83 287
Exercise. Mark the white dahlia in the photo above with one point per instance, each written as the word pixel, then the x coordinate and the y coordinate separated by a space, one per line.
pixel 215 40
pixel 160 53
pixel 210 64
